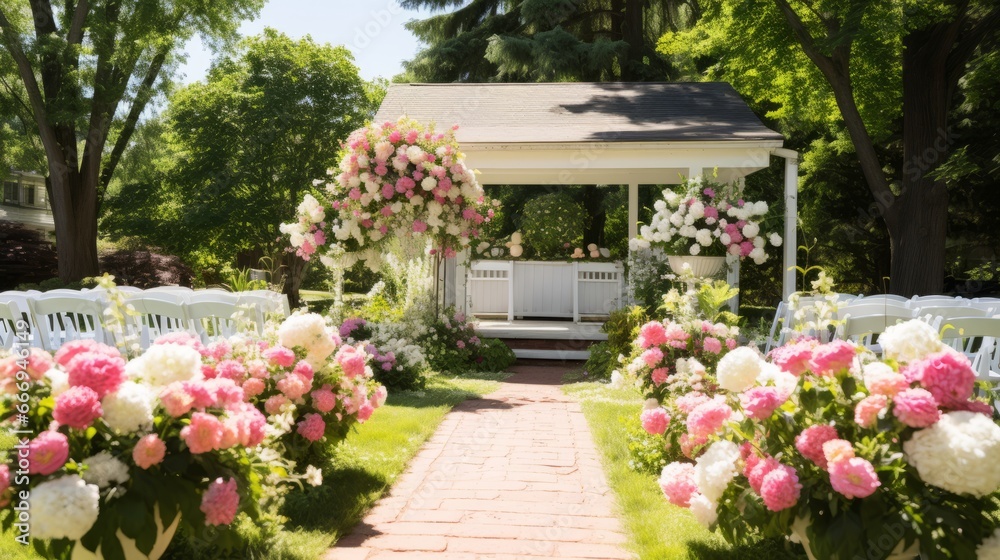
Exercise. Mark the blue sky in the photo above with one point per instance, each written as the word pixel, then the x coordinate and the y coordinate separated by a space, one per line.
pixel 372 29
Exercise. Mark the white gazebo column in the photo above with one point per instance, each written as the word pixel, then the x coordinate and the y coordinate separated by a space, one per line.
pixel 633 210
pixel 462 281
pixel 790 242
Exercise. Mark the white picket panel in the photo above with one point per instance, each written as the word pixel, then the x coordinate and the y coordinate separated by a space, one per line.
pixel 600 288
pixel 490 287
pixel 543 289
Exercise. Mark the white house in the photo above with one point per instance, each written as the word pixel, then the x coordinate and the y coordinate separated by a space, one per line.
pixel 25 201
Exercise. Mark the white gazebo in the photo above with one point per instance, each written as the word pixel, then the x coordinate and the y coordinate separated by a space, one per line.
pixel 602 134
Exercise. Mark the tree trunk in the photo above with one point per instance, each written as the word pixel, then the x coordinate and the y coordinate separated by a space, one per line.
pixel 593 201
pixel 74 213
pixel 294 269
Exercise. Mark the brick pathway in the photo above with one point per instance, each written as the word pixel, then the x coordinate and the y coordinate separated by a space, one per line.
pixel 512 475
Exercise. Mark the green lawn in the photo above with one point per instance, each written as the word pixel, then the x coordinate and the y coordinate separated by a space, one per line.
pixel 656 529
pixel 363 469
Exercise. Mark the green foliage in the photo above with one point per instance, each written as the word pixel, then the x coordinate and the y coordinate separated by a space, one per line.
pixel 496 356
pixel 551 221
pixel 622 327
pixel 240 280
pixel 648 454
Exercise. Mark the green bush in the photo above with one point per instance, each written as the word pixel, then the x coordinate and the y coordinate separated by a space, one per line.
pixel 647 453
pixel 496 356
pixel 622 327
pixel 552 220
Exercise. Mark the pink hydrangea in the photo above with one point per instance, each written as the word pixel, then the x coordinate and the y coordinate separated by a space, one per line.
pixel 854 478
pixel 176 400
pixel 224 391
pixel 652 334
pixel 202 392
pixel 810 442
pixel 231 369
pixel 780 488
pixel 916 408
pixel 660 375
pixel 204 434
pixel 655 420
pixel 690 401
pixel 218 350
pixel 689 444
pixel 257 369
pixel 760 402
pixel 274 403
pixel 828 359
pixel 351 360
pixel 365 411
pixel 708 418
pixel 280 356
pixel 99 371
pixel 756 468
pixel 677 483
pixel 77 407
pixel 794 357
pixel 837 450
pixel 249 423
pixel 294 386
pixel 323 399
pixel 221 502
pixel 652 357
pixel 47 453
pixel 71 349
pixel 947 375
pixel 253 387
pixel 381 394
pixel 312 427
pixel 149 450
pixel 39 362
pixel 712 345
pixel 676 332
pixel 867 411
pixel 886 383
pixel 304 369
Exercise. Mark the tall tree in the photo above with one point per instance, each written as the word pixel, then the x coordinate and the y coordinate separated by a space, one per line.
pixel 875 62
pixel 246 145
pixel 89 68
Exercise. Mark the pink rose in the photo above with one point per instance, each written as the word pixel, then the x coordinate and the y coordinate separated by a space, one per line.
pixel 220 502
pixel 652 334
pixel 760 402
pixel 204 434
pixel 47 453
pixel 708 418
pixel 677 483
pixel 77 407
pixel 830 358
pixel 867 411
pixel 810 442
pixel 655 420
pixel 312 427
pixel 149 450
pixel 916 408
pixel 947 375
pixel 780 488
pixel 854 478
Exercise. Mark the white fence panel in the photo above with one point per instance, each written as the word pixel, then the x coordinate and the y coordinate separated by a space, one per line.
pixel 489 287
pixel 543 289
pixel 600 288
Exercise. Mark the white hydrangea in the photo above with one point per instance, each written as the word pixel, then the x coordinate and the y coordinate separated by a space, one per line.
pixel 716 468
pixel 695 249
pixel 617 380
pixel 130 409
pixel 738 370
pixel 415 154
pixel 66 507
pixel 163 364
pixel 309 331
pixel 989 549
pixel 911 341
pixel 960 453
pixel 58 381
pixel 751 230
pixel 104 470
pixel 703 509
pixel 775 240
pixel 312 208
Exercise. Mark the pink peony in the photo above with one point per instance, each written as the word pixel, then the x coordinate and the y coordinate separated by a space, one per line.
pixel 886 383
pixel 760 402
pixel 365 411
pixel 312 427
pixel 712 345
pixel 677 483
pixel 708 418
pixel 690 401
pixel 176 400
pixel 149 450
pixel 867 411
pixel 274 403
pixel 250 425
pixel 351 360
pixel 652 357
pixel 655 420
pixel 795 356
pixel 854 478
pixel 99 371
pixel 304 369
pixel 294 386
pixel 947 375
pixel 220 502
pixel 323 399
pixel 828 359
pixel 837 450
pixel 810 442
pixel 39 362
pixel 231 369
pixel 756 468
pixel 204 434
pixel 780 488
pixel 47 453
pixel 253 387
pixel 652 334
pixel 77 407
pixel 660 375
pixel 916 408
pixel 71 349
pixel 279 356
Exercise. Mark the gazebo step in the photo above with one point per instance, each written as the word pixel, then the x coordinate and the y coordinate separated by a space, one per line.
pixel 562 355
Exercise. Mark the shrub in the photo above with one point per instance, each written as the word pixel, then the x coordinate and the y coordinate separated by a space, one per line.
pixel 621 327
pixel 496 356
pixel 450 343
pixel 26 256
pixel 397 363
pixel 145 269
pixel 552 220
pixel 648 453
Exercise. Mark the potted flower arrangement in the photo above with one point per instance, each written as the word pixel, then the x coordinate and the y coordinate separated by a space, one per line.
pixel 400 180
pixel 701 222
pixel 854 457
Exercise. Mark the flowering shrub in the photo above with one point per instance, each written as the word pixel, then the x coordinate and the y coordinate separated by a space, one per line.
pixel 398 364
pixel 395 180
pixel 707 218
pixel 553 223
pixel 823 438
pixel 451 343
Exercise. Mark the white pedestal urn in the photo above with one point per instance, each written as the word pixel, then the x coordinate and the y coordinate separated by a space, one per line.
pixel 799 535
pixel 163 537
pixel 703 267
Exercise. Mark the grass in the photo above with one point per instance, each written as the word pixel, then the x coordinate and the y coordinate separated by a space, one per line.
pixel 361 471
pixel 656 529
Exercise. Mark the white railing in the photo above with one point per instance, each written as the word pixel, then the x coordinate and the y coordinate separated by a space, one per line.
pixel 544 289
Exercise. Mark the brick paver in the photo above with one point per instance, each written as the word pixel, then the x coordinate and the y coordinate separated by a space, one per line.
pixel 512 475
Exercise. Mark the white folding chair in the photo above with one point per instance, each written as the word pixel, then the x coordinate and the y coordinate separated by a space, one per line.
pixel 280 299
pixel 938 316
pixel 937 301
pixel 61 318
pixel 158 314
pixel 213 314
pixel 10 316
pixel 775 333
pixel 967 334
pixel 883 298
pixel 865 307
pixel 863 329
